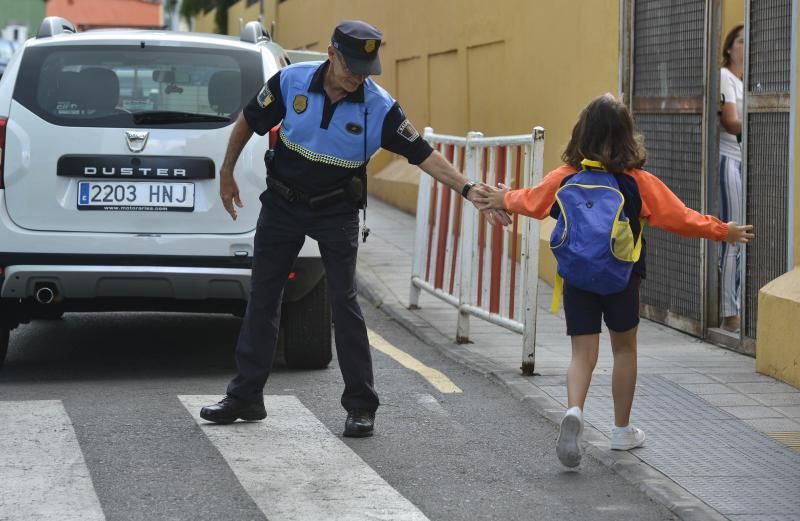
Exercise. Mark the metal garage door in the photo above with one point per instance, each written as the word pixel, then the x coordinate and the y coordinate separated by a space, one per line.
pixel 667 76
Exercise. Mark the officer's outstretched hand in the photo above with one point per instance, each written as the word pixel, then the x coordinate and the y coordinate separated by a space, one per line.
pixel 229 193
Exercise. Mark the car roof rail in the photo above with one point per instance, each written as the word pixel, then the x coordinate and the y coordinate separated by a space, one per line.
pixel 254 32
pixel 53 25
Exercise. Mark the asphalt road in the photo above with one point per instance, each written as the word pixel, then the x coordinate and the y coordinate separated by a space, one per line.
pixel 478 454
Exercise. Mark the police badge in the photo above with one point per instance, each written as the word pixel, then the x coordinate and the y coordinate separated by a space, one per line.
pixel 300 103
pixel 369 46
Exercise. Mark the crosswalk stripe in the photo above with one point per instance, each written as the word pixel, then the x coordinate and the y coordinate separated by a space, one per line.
pixel 44 475
pixel 294 468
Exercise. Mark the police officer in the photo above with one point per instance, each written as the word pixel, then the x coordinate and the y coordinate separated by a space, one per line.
pixel 334 117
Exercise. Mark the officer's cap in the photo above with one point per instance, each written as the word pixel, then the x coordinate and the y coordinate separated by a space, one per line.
pixel 358 42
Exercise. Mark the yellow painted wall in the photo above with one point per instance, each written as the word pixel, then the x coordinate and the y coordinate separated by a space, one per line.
pixel 777 348
pixel 239 14
pixel 797 149
pixel 446 101
pixel 204 22
pixel 778 352
pixel 732 14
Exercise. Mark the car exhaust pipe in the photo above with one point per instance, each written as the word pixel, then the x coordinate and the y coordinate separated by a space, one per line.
pixel 45 294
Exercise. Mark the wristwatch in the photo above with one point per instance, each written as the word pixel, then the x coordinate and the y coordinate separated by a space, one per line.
pixel 467 188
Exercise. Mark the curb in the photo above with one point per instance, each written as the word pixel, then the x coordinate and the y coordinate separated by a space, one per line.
pixel 646 478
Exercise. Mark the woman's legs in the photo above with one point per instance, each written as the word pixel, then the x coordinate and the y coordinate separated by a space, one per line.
pixel 730 177
pixel 623 380
pixel 579 374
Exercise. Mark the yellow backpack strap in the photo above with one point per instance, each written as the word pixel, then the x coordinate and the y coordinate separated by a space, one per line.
pixel 558 290
pixel 590 164
pixel 637 249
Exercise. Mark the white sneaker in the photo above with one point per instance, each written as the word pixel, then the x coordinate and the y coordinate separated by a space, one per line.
pixel 568 447
pixel 626 438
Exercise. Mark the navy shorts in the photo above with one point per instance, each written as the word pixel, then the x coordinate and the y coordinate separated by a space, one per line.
pixel 584 309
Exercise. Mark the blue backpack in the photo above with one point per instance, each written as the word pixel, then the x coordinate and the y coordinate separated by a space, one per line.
pixel 593 242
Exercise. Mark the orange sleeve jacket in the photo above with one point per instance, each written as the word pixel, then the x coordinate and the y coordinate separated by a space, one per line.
pixel 660 207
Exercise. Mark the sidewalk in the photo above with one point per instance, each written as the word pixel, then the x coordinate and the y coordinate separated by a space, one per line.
pixel 712 422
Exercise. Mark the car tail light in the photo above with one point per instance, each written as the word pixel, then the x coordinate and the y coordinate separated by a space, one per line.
pixel 292 275
pixel 3 122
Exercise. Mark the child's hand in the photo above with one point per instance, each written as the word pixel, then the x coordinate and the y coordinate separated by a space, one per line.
pixel 492 198
pixel 500 217
pixel 738 233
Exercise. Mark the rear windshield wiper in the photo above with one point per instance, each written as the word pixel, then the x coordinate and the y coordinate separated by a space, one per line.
pixel 168 116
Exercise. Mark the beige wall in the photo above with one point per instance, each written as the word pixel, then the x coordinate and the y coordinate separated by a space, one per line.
pixel 777 349
pixel 204 23
pixel 732 14
pixel 239 14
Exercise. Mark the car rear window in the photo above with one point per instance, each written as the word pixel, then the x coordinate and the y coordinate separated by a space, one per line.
pixel 137 85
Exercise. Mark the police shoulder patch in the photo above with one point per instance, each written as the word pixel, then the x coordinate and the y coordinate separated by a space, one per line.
pixel 300 103
pixel 265 97
pixel 407 130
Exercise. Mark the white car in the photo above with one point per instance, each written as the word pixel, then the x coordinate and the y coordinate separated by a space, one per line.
pixel 110 147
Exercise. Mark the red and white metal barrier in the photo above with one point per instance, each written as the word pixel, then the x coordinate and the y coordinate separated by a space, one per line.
pixel 485 271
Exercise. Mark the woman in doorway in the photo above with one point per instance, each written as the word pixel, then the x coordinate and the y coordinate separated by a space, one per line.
pixel 730 172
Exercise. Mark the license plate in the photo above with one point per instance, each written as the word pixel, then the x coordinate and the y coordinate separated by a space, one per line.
pixel 139 196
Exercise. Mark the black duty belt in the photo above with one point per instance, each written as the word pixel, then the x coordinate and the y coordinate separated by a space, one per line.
pixel 315 202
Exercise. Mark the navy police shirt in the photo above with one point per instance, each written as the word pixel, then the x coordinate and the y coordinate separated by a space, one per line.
pixel 322 145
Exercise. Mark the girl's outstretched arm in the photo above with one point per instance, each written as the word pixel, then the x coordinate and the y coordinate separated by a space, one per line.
pixel 663 209
pixel 534 202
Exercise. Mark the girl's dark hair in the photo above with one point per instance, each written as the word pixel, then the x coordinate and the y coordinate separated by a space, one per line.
pixel 605 132
pixel 728 43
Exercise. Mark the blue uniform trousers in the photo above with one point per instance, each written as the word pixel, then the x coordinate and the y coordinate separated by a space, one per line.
pixel 281 231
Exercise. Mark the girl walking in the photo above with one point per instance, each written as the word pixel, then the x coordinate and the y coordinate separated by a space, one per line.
pixel 604 143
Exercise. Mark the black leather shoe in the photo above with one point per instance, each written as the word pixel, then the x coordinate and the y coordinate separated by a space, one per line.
pixel 230 408
pixel 359 424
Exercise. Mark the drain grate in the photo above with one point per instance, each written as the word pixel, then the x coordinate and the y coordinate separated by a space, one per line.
pixel 790 439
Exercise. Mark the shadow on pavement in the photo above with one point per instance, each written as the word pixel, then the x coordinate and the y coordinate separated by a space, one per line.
pixel 83 346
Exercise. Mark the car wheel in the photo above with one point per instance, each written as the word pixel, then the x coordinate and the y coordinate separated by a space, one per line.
pixel 307 330
pixel 5 334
